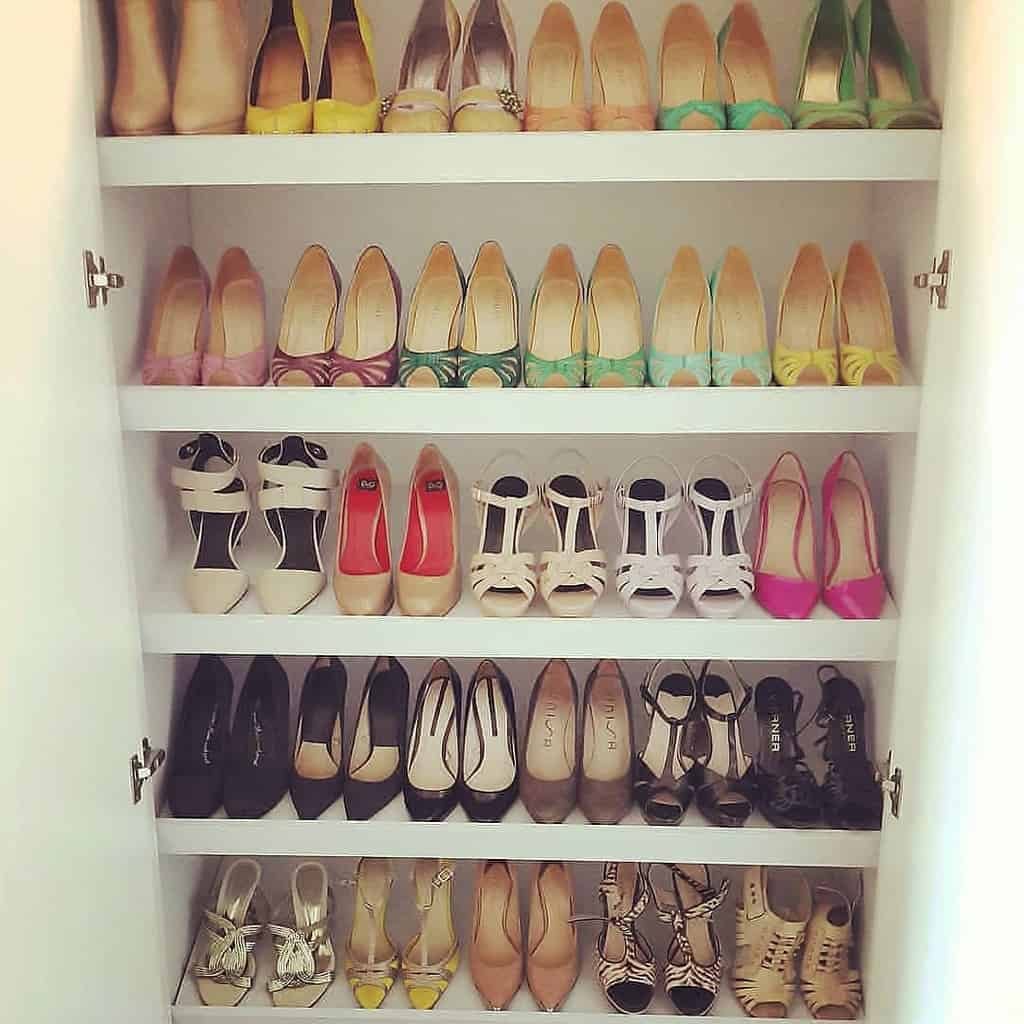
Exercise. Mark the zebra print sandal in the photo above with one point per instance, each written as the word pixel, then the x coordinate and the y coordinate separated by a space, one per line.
pixel 693 962
pixel 625 961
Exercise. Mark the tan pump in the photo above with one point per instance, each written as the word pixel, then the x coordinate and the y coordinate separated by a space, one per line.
pixel 141 103
pixel 553 959
pixel 622 92
pixel 496 951
pixel 772 915
pixel 210 78
pixel 829 982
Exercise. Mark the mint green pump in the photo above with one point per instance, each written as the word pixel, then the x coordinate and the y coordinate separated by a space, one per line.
pixel 827 94
pixel 896 98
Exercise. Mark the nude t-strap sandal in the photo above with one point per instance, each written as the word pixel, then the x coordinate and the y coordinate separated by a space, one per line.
pixel 431 958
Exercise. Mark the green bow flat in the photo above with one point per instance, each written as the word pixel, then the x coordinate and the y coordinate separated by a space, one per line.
pixel 506 366
pixel 748 74
pixel 632 369
pixel 541 372
pixel 443 365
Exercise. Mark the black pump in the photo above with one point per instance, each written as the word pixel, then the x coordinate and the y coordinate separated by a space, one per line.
pixel 490 758
pixel 435 746
pixel 199 748
pixel 257 772
pixel 317 772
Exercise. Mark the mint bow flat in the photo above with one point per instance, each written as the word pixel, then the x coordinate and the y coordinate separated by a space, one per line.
pixel 725 366
pixel 662 368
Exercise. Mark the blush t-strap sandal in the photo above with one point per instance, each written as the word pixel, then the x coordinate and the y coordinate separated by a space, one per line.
pixel 648 496
pixel 504 579
pixel 720 498
pixel 214 496
pixel 295 499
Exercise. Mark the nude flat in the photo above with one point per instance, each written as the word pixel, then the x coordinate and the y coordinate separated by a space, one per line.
pixel 236 352
pixel 488 101
pixel 805 339
pixel 622 96
pixel 496 949
pixel 175 340
pixel 555 100
pixel 141 101
pixel 210 77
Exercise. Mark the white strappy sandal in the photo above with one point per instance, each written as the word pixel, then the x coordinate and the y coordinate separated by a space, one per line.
pixel 720 497
pixel 649 581
pixel 503 578
pixel 215 498
pixel 572 578
pixel 295 499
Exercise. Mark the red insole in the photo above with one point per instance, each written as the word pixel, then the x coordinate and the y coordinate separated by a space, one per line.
pixel 366 551
pixel 429 505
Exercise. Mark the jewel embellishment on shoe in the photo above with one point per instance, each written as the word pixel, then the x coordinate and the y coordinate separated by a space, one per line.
pixel 512 103
pixel 386 103
pixel 857 360
pixel 789 363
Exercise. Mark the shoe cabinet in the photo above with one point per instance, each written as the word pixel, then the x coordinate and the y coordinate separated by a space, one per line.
pixel 100 547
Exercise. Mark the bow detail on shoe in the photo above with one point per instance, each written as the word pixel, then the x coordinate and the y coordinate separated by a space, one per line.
pixel 790 363
pixel 858 359
pixel 229 951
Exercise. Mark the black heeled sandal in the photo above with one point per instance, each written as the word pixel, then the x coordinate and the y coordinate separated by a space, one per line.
pixel 851 794
pixel 787 791
pixel 660 780
pixel 723 774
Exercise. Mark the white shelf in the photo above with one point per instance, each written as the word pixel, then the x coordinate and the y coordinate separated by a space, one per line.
pixel 169 627
pixel 540 157
pixel 392 834
pixel 647 411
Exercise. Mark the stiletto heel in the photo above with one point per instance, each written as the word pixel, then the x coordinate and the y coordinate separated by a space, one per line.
pixel 281 90
pixel 489 355
pixel 805 340
pixel 626 968
pixel 488 101
pixel 660 782
pixel 366 354
pixel 867 335
pixel 371 960
pixel 236 353
pixel 217 504
pixel 141 102
pixel 234 919
pixel 786 559
pixel 854 585
pixel 552 959
pixel 431 958
pixel 615 343
pixel 554 94
pixel 210 71
pixel 295 499
pixel 490 756
pixel 195 787
pixel 317 775
pixel 503 577
pixel 739 332
pixel 622 97
pixel 256 778
pixel 851 794
pixel 302 940
pixel 688 69
pixel 362 566
pixel 376 762
pixel 174 345
pixel 429 581
pixel 496 949
pixel 680 352
pixel 306 340
pixel 573 578
pixel 693 960
pixel 719 496
pixel 435 746
pixel 423 100
pixel 555 349
pixel 649 581
pixel 551 771
pixel 348 100
pixel 606 761
pixel 788 793
pixel 896 97
pixel 430 352
pixel 723 775
pixel 748 74
pixel 827 94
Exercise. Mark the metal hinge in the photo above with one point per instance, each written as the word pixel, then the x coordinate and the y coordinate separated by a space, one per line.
pixel 890 778
pixel 937 282
pixel 145 764
pixel 98 280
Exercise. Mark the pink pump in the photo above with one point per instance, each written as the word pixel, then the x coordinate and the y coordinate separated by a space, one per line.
pixel 854 585
pixel 786 558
